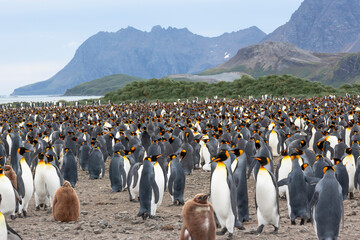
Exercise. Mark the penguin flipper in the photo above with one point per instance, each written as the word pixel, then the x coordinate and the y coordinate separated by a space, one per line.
pixel 171 182
pixel 60 176
pixel 284 181
pixel 277 169
pixel 233 196
pixel 312 180
pixel 123 175
pixel 136 174
pixel 12 234
pixel 17 196
pixel 356 177
pixel 20 186
pixel 314 199
pixel 251 167
pixel 155 188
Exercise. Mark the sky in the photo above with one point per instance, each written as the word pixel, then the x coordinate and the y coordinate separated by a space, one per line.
pixel 39 37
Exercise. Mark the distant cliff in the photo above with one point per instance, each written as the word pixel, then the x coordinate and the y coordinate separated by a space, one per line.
pixel 154 54
pixel 322 26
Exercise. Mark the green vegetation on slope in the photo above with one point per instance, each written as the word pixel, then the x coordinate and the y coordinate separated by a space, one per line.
pixel 101 86
pixel 169 90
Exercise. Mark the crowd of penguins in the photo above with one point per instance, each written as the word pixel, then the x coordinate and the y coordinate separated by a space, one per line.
pixel 154 146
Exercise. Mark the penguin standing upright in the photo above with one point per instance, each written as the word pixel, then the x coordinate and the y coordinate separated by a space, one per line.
pixel 54 178
pixel 7 191
pixel 28 181
pixel 160 179
pixel 40 194
pixel 283 169
pixel 117 173
pixel 349 163
pixel 84 155
pixel 133 180
pixel 176 184
pixel 297 192
pixel 342 176
pixel 327 206
pixel 223 194
pixel 69 167
pixel 199 222
pixel 6 232
pixel 267 200
pixel 240 181
pixel 96 164
pixel 149 191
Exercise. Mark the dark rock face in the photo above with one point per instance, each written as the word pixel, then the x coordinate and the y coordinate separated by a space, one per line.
pixel 154 54
pixel 322 26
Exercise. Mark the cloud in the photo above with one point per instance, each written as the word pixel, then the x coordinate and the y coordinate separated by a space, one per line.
pixel 72 45
pixel 15 75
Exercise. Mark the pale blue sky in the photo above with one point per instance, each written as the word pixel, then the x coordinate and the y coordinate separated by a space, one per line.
pixel 39 37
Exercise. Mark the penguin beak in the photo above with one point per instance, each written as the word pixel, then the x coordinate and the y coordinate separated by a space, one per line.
pixel 205 197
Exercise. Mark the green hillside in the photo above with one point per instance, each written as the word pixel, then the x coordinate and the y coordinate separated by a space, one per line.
pixel 101 86
pixel 170 90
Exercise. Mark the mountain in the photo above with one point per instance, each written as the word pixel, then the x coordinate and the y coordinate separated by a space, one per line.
pixel 283 58
pixel 322 26
pixel 99 87
pixel 154 54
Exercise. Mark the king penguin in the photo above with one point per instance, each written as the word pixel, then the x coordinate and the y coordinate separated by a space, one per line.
pixel 6 232
pixel 69 167
pixel 327 206
pixel 266 198
pixel 8 194
pixel 223 193
pixel 176 184
pixel 149 190
pixel 117 173
pixel 28 181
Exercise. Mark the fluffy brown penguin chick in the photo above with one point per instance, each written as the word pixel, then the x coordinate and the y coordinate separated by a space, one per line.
pixel 199 221
pixel 66 205
pixel 10 173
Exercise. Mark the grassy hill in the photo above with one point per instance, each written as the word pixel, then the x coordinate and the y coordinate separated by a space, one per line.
pixel 101 86
pixel 170 90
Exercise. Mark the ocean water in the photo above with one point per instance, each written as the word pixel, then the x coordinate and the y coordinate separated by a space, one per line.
pixel 43 98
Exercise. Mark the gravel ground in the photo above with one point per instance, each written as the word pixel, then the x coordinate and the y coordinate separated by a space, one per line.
pixel 106 215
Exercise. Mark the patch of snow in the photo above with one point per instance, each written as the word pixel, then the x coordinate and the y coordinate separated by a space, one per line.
pixel 227 55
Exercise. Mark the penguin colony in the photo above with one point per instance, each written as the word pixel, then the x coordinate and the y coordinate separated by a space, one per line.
pixel 153 147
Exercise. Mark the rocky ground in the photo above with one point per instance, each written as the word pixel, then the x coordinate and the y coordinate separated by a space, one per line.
pixel 106 215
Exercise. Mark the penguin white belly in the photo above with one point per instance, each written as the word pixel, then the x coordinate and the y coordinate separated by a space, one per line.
pixel 52 182
pixel 127 166
pixel 333 141
pixel 3 228
pixel 220 198
pixel 347 136
pixel 266 199
pixel 135 190
pixel 160 181
pixel 273 143
pixel 205 158
pixel 284 170
pixel 28 183
pixel 7 206
pixel 349 163
pixel 234 165
pixel 168 177
pixel 39 185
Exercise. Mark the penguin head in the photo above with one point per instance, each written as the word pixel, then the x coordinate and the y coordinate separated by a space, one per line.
pixel 50 158
pixel 348 150
pixel 22 151
pixel 237 152
pixel 201 198
pixel 182 154
pixel 262 160
pixel 337 161
pixel 41 156
pixel 221 156
pixel 325 169
pixel 66 150
pixel 153 158
pixel 133 149
pixel 117 152
pixel 304 166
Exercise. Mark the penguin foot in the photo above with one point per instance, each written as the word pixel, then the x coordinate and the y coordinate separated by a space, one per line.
pixel 229 237
pixel 302 221
pixel 275 230
pixel 351 196
pixel 152 217
pixel 24 213
pixel 19 215
pixel 133 200
pixel 13 217
pixel 239 225
pixel 258 230
pixel 293 222
pixel 222 232
pixel 37 208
